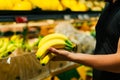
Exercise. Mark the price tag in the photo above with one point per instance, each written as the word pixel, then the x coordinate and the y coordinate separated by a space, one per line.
pixel 80 17
pixel 86 17
pixel 21 19
pixel 67 17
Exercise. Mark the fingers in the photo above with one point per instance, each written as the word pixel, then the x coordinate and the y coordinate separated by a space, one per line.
pixel 59 52
pixel 56 51
pixel 53 50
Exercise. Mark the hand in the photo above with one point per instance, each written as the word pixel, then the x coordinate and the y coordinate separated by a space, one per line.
pixel 61 55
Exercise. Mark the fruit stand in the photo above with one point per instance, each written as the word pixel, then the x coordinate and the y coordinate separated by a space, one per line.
pixel 22 27
pixel 34 33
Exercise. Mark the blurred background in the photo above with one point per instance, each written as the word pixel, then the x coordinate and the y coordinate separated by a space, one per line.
pixel 33 19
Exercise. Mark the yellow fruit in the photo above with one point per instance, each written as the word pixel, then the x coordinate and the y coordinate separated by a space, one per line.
pixel 47 4
pixel 35 2
pixel 4 47
pixel 2 4
pixel 44 4
pixel 1 42
pixel 55 5
pixel 15 1
pixel 46 59
pixel 44 48
pixel 74 8
pixel 5 5
pixel 73 2
pixel 66 3
pixel 10 47
pixel 15 37
pixel 82 71
pixel 82 6
pixel 50 37
pixel 23 5
pixel 60 7
pixel 96 8
pixel 41 3
pixel 69 3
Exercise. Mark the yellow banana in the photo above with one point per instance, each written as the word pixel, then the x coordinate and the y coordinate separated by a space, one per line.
pixel 51 36
pixel 14 37
pixel 44 48
pixel 46 59
pixel 5 44
pixel 1 42
pixel 11 47
pixel 59 46
pixel 18 43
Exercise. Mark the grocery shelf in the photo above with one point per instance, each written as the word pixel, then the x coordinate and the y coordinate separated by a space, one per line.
pixel 6 16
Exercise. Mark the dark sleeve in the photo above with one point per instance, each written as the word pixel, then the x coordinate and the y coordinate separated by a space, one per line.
pixel 118 20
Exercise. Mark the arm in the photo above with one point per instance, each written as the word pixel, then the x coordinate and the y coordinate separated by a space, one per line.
pixel 110 62
pixel 102 62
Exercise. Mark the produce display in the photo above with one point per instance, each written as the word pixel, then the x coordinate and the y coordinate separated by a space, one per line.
pixel 27 56
pixel 54 5
pixel 14 51
pixel 71 35
pixel 75 31
pixel 8 45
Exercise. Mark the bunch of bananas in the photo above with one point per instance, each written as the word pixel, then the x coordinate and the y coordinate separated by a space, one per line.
pixel 9 44
pixel 48 4
pixel 56 40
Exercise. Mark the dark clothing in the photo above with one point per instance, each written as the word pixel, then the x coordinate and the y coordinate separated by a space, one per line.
pixel 107 36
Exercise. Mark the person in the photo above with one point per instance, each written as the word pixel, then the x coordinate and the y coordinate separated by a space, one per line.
pixel 106 58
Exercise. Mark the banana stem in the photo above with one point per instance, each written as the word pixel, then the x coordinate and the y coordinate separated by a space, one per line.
pixel 68 42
